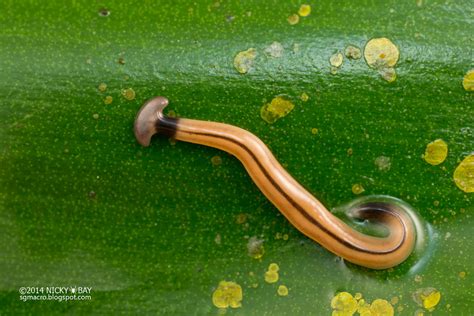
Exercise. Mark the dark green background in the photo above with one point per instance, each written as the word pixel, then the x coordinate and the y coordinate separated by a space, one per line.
pixel 145 242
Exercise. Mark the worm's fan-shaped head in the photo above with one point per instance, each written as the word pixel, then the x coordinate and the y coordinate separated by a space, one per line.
pixel 148 119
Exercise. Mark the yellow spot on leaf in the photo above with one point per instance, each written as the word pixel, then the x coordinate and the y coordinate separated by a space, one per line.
pixel 468 81
pixel 102 87
pixel 388 74
pixel 271 276
pixel 358 296
pixel 241 218
pixel 464 174
pixel 273 267
pixel 108 99
pixel 216 160
pixel 314 131
pixel 244 60
pixel 462 274
pixel 285 236
pixel 353 52
pixel 381 307
pixel 277 108
pixel 427 297
pixel 436 152
pixel 304 97
pixel 128 94
pixel 336 60
pixel 305 10
pixel 227 294
pixel 381 53
pixel 357 188
pixel 343 304
pixel 293 19
pixel 282 290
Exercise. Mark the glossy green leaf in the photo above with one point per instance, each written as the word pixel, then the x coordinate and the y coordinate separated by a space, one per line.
pixel 154 230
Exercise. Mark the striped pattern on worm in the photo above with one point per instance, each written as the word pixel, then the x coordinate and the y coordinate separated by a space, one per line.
pixel 301 208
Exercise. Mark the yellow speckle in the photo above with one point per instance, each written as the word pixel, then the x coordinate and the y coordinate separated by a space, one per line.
pixel 304 97
pixel 336 60
pixel 108 99
pixel 278 236
pixel 273 267
pixel 95 116
pixel 285 236
pixel 255 247
pixel 102 87
pixel 436 152
pixel 216 160
pixel 400 309
pixel 333 70
pixel 357 188
pixel 468 81
pixel 381 307
pixel 388 74
pixel 464 174
pixel 293 19
pixel 394 300
pixel 271 276
pixel 418 278
pixel 278 108
pixel 462 274
pixel 427 297
pixel 381 53
pixel 305 10
pixel 419 312
pixel 358 296
pixel 353 52
pixel 244 60
pixel 350 151
pixel 282 290
pixel 128 94
pixel 343 304
pixel 314 131
pixel 227 294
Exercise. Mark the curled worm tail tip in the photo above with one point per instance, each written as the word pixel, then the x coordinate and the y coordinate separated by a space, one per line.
pixel 148 119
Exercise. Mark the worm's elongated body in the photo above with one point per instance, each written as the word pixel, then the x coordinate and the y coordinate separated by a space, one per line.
pixel 300 207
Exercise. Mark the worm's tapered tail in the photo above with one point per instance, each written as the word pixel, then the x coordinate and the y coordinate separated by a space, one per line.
pixel 301 208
